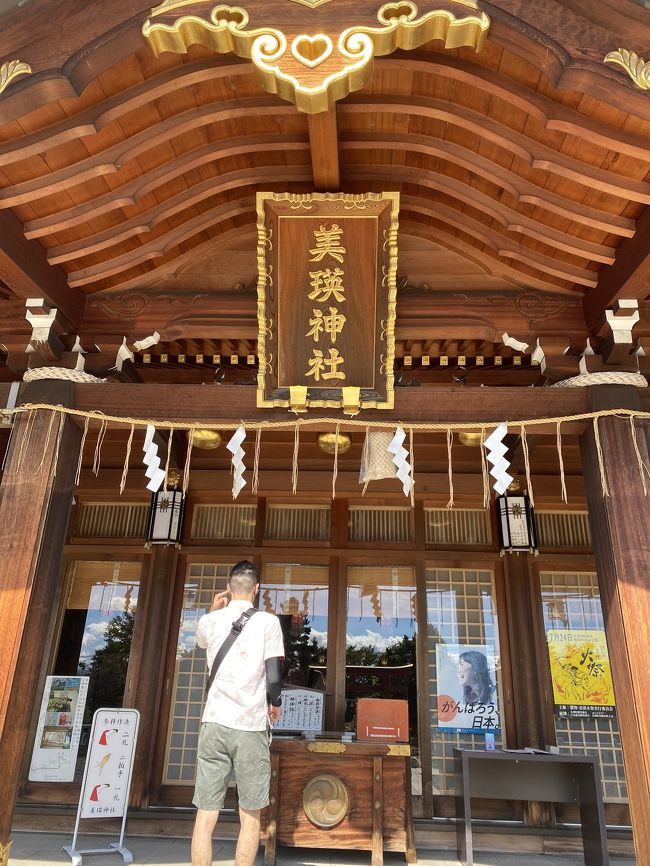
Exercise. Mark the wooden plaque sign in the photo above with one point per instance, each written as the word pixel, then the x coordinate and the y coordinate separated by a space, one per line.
pixel 326 296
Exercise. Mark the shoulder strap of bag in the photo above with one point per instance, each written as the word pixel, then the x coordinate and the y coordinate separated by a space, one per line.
pixel 234 633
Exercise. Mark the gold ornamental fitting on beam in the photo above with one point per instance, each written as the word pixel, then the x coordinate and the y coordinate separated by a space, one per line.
pixel 314 69
pixel 206 439
pixel 12 70
pixel 636 67
pixel 327 442
pixel 173 478
pixel 469 439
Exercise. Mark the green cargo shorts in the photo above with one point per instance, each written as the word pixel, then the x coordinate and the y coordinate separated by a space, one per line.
pixel 222 751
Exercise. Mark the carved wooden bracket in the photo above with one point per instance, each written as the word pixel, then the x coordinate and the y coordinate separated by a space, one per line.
pixel 314 63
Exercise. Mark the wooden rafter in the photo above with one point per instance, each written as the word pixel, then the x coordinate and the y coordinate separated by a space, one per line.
pixel 628 277
pixel 24 268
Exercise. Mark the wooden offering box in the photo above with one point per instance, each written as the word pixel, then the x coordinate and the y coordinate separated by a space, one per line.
pixel 329 794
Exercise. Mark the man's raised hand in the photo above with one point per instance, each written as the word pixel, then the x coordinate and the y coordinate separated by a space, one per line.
pixel 220 600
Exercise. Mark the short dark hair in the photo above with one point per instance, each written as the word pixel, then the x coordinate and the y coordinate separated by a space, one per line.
pixel 243 577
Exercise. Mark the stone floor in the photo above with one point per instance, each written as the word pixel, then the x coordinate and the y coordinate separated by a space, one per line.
pixel 37 849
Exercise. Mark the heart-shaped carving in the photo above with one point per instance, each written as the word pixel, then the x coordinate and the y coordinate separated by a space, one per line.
pixel 222 16
pixel 397 13
pixel 311 50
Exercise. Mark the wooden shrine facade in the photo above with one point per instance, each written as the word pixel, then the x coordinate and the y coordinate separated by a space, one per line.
pixel 131 155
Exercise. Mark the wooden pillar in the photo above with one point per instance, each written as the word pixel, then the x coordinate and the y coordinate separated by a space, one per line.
pixel 529 667
pixel 620 528
pixel 35 502
pixel 146 673
pixel 527 653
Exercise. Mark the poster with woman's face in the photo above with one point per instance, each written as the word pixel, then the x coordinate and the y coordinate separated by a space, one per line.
pixel 467 688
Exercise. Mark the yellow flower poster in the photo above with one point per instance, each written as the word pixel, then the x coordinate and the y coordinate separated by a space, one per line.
pixel 581 675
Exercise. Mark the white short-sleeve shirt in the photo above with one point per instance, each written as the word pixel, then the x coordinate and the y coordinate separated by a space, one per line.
pixel 237 697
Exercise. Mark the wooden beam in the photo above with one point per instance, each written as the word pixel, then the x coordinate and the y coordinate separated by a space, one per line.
pixel 619 528
pixel 627 278
pixel 24 268
pixel 323 138
pixel 421 315
pixel 231 403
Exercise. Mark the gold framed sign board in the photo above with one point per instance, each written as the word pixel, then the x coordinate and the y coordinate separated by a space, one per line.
pixel 326 296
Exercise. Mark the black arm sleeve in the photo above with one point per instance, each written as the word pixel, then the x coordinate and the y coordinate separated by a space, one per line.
pixel 274 681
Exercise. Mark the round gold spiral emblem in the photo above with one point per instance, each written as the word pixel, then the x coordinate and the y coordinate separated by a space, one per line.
pixel 325 801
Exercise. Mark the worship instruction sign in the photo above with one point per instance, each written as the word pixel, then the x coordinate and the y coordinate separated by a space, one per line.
pixel 327 265
pixel 105 789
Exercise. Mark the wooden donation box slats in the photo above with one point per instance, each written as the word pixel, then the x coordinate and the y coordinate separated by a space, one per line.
pixel 330 794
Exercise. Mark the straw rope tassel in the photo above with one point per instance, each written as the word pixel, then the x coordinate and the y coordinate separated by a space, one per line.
pixel 601 464
pixel 294 467
pixel 256 460
pixel 12 433
pixel 24 443
pixel 81 450
pixel 125 468
pixel 335 471
pixel 561 459
pixel 524 446
pixel 642 467
pixel 412 458
pixel 48 435
pixel 97 462
pixel 169 457
pixel 57 447
pixel 450 440
pixel 364 459
pixel 188 458
pixel 484 471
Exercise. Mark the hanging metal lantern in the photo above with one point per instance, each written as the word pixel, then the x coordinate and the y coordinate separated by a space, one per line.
pixel 165 523
pixel 516 524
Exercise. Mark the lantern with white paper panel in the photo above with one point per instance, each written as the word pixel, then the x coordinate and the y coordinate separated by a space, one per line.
pixel 516 524
pixel 165 523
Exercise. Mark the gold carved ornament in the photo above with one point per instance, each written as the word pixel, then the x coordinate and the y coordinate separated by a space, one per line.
pixel 314 69
pixel 326 801
pixel 636 67
pixel 10 71
pixel 398 750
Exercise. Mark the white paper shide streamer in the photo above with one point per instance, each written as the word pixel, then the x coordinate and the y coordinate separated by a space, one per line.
pixel 123 354
pixel 401 460
pixel 238 468
pixel 151 460
pixel 496 455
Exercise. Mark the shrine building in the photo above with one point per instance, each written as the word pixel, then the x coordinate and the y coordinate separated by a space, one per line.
pixel 358 291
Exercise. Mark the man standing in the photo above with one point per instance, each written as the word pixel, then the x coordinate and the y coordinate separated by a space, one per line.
pixel 243 698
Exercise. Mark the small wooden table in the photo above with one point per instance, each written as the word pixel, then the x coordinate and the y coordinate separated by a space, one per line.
pixel 525 776
pixel 329 794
